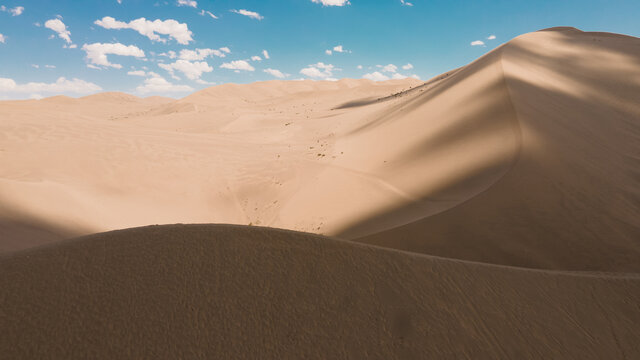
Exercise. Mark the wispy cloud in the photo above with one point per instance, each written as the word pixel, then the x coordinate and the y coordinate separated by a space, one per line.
pixel 16 11
pixel 60 28
pixel 238 65
pixel 276 73
pixel 201 54
pixel 205 12
pixel 251 14
pixel 190 3
pixel 332 2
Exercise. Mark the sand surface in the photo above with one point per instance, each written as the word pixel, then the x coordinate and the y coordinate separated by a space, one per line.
pixel 502 199
pixel 231 292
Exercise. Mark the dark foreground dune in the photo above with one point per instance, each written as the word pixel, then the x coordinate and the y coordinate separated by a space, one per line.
pixel 233 292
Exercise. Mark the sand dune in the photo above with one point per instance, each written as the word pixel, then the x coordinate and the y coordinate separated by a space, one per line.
pixel 539 166
pixel 518 171
pixel 526 157
pixel 243 292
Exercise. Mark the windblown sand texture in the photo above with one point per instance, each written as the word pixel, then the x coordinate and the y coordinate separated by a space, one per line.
pixel 490 212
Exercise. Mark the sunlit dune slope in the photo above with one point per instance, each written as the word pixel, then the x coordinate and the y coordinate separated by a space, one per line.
pixel 230 154
pixel 204 291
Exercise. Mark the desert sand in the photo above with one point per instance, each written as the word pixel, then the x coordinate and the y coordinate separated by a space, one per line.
pixel 490 212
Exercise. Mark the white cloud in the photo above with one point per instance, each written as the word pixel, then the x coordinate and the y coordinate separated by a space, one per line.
pixel 399 76
pixel 491 37
pixel 359 67
pixel 319 70
pixel 50 66
pixel 137 73
pixel 35 66
pixel 16 11
pixel 200 81
pixel 251 14
pixel 332 2
pixel 256 58
pixel 238 65
pixel 62 85
pixel 338 49
pixel 119 1
pixel 60 28
pixel 277 73
pixel 406 3
pixel 2 38
pixel 170 54
pixel 151 29
pixel 389 68
pixel 200 54
pixel 265 53
pixel 477 43
pixel 204 12
pixel 192 70
pixel 407 67
pixel 376 76
pixel 158 84
pixel 191 3
pixel 97 53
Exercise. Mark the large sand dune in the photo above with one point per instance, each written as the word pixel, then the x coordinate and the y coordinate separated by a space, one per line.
pixel 529 157
pixel 230 292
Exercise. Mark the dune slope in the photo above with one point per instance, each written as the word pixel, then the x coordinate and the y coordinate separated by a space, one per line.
pixel 206 291
pixel 546 153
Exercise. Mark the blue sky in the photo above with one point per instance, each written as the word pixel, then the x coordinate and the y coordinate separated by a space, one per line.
pixel 51 47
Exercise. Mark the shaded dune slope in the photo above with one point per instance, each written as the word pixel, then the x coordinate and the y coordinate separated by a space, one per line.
pixel 542 161
pixel 207 291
